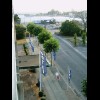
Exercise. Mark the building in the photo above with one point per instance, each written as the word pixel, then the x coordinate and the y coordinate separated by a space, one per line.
pixel 17 88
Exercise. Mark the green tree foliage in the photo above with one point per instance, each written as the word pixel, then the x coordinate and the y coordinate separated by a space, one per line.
pixel 52 21
pixel 17 19
pixel 68 28
pixel 37 30
pixel 84 87
pixel 43 36
pixel 30 27
pixel 51 45
pixel 84 38
pixel 43 98
pixel 25 49
pixel 83 16
pixel 40 94
pixel 20 31
pixel 27 33
pixel 78 23
pixel 43 21
pixel 75 39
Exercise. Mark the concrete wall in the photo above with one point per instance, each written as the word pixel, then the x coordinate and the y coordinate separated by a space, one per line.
pixel 14 75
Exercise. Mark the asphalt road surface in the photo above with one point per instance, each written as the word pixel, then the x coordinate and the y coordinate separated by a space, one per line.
pixel 67 58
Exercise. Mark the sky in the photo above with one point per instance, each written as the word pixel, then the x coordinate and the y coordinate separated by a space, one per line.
pixel 43 6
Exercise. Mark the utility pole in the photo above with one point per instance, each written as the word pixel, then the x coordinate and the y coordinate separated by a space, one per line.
pixel 40 69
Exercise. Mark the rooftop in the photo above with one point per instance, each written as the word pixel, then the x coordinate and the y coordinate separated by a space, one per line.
pixel 29 60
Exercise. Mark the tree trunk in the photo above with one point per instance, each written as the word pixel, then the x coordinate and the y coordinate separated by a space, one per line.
pixel 51 58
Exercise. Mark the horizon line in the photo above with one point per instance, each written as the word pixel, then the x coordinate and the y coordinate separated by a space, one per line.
pixel 47 12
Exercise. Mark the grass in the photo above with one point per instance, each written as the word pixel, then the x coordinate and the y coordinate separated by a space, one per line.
pixel 71 40
pixel 22 41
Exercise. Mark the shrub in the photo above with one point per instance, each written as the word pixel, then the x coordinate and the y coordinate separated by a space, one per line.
pixel 20 31
pixel 43 98
pixel 84 87
pixel 40 94
pixel 68 28
pixel 25 49
pixel 27 34
pixel 75 39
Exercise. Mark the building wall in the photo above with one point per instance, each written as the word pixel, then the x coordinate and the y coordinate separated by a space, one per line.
pixel 14 75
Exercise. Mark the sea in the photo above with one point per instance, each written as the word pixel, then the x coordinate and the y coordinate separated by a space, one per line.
pixel 38 19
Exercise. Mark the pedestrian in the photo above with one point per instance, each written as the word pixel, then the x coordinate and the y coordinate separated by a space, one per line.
pixel 69 76
pixel 57 75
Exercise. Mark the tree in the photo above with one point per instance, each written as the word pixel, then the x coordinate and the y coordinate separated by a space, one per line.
pixel 84 38
pixel 53 12
pixel 68 28
pixel 27 34
pixel 51 45
pixel 53 21
pixel 43 36
pixel 30 27
pixel 78 23
pixel 83 16
pixel 84 87
pixel 20 31
pixel 75 39
pixel 37 30
pixel 43 21
pixel 25 49
pixel 17 19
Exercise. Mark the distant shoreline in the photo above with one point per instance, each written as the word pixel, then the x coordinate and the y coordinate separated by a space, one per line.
pixel 39 18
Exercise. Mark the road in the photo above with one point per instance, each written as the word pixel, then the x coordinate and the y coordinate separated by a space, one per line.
pixel 74 58
pixel 53 87
pixel 56 89
pixel 68 58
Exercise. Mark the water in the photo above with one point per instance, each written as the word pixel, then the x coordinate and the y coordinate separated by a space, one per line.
pixel 39 18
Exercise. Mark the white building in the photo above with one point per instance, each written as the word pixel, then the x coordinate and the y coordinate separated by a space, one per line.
pixel 17 86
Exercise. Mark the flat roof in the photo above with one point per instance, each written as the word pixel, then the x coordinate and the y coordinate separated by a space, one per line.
pixel 29 60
